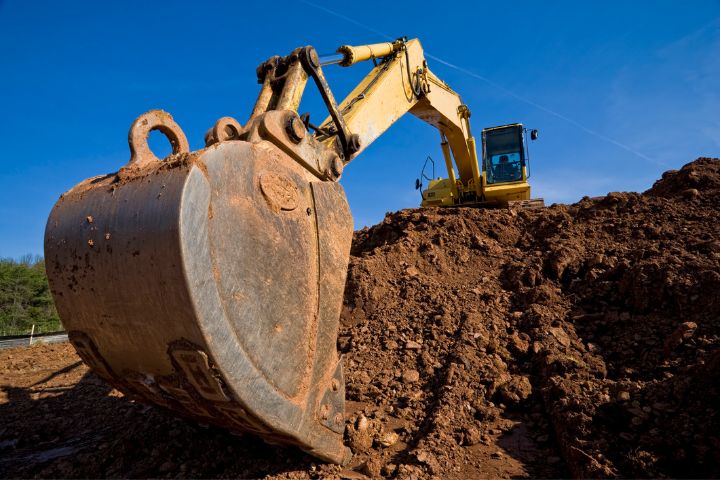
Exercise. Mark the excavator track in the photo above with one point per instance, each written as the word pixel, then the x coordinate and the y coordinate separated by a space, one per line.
pixel 526 204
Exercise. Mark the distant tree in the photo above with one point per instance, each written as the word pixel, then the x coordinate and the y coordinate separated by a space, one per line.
pixel 25 298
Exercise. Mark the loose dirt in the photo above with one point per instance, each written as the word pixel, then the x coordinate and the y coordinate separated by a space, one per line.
pixel 578 340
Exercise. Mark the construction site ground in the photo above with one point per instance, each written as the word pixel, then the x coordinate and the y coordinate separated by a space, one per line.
pixel 572 341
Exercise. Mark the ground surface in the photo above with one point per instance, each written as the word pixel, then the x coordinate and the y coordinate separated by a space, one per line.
pixel 578 340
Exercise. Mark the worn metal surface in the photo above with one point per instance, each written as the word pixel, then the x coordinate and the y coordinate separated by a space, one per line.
pixel 211 283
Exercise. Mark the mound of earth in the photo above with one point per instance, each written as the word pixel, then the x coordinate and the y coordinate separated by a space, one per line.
pixel 577 340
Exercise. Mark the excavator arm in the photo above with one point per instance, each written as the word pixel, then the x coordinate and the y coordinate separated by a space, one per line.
pixel 402 82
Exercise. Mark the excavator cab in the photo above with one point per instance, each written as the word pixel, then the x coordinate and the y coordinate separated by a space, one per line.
pixel 505 166
pixel 501 175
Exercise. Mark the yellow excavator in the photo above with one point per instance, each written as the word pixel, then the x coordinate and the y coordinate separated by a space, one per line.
pixel 501 182
pixel 210 283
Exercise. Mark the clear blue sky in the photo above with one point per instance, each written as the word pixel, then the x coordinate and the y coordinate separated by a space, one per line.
pixel 74 75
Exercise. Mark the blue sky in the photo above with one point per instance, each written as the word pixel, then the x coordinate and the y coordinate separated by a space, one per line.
pixel 620 91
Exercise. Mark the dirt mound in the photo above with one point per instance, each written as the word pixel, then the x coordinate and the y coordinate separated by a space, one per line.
pixel 702 175
pixel 605 310
pixel 577 340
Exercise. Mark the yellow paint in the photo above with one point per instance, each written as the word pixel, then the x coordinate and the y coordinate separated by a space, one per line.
pixel 401 82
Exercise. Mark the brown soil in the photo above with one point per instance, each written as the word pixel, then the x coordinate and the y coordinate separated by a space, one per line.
pixel 577 340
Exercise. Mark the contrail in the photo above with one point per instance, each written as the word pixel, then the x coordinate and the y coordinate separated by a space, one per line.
pixel 497 86
pixel 544 109
pixel 347 19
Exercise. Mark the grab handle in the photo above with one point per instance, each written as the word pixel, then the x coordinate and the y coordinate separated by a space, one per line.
pixel 140 153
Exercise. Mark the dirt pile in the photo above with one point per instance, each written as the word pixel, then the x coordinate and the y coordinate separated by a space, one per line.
pixel 577 340
pixel 600 318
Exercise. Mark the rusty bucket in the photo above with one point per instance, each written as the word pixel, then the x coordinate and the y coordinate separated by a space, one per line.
pixel 210 283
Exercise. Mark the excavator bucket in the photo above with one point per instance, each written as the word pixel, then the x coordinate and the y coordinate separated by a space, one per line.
pixel 211 283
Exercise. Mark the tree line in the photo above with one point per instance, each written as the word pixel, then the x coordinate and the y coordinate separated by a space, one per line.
pixel 25 298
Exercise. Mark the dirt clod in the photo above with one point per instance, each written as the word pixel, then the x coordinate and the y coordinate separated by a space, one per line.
pixel 410 376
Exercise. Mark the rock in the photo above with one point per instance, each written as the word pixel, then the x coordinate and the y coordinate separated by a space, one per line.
pixel 389 469
pixel 359 435
pixel 429 460
pixel 410 376
pixel 517 390
pixel 410 472
pixel 391 345
pixel 683 332
pixel 359 442
pixel 362 423
pixel 388 439
pixel 560 335
pixel 596 259
pixel 344 343
pixel 691 193
pixel 352 475
pixel 412 345
pixel 472 436
pixel 496 454
pixel 371 467
pixel 552 460
pixel 412 272
pixel 623 396
pixel 519 344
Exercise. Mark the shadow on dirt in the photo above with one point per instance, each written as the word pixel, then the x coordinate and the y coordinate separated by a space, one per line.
pixel 88 431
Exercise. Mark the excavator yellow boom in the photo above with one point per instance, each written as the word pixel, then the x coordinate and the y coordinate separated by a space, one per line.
pixel 210 283
pixel 401 82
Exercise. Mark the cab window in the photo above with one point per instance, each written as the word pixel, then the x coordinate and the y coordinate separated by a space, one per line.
pixel 504 168
pixel 504 157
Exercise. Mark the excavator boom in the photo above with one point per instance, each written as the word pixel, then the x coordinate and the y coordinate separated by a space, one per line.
pixel 210 283
pixel 402 83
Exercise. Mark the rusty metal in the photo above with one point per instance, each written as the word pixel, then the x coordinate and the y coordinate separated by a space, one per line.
pixel 295 80
pixel 296 129
pixel 140 153
pixel 283 83
pixel 262 104
pixel 347 145
pixel 333 165
pixel 226 128
pixel 210 283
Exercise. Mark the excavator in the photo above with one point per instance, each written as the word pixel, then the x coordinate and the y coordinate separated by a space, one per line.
pixel 503 181
pixel 210 283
